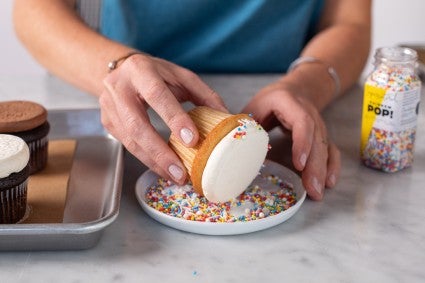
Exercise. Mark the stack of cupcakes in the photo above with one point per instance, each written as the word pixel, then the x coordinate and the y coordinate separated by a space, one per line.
pixel 27 120
pixel 23 151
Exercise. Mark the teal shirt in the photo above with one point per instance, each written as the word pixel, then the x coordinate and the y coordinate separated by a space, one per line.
pixel 244 36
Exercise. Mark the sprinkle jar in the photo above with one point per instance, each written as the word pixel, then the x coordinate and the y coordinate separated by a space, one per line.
pixel 390 110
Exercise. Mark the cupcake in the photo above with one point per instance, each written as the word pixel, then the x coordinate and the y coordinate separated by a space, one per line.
pixel 27 120
pixel 14 172
pixel 228 156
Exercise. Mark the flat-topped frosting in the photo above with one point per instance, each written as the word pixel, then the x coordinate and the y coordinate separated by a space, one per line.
pixel 235 162
pixel 18 116
pixel 14 155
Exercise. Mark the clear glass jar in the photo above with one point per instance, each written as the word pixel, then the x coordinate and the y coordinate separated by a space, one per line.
pixel 390 110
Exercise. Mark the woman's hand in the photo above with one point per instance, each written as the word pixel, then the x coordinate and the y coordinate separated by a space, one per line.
pixel 313 152
pixel 142 81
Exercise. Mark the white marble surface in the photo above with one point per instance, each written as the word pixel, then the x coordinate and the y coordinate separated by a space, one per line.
pixel 368 229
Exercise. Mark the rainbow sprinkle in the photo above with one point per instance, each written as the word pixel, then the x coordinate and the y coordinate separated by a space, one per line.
pixel 255 203
pixel 394 79
pixel 241 130
pixel 389 151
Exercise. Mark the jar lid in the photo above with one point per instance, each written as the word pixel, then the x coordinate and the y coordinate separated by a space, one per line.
pixel 396 54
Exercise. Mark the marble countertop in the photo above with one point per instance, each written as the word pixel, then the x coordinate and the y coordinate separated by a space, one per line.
pixel 367 229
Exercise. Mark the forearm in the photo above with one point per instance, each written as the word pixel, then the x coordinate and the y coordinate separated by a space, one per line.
pixel 344 46
pixel 57 38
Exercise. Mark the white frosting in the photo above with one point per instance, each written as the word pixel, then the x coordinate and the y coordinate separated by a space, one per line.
pixel 235 162
pixel 14 155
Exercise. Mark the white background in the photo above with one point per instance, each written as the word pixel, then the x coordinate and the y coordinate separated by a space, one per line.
pixel 394 22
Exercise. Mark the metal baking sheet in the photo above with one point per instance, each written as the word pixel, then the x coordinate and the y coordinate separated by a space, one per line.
pixel 94 188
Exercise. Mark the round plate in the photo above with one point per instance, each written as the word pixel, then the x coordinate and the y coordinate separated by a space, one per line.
pixel 149 178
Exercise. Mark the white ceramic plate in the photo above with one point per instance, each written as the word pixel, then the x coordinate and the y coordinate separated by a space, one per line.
pixel 149 178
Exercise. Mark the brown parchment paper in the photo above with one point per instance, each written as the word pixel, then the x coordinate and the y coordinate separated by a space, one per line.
pixel 47 188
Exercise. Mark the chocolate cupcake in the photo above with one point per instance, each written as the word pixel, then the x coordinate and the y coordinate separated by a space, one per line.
pixel 14 172
pixel 27 120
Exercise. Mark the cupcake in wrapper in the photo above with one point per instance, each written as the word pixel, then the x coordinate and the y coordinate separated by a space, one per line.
pixel 27 120
pixel 229 154
pixel 14 172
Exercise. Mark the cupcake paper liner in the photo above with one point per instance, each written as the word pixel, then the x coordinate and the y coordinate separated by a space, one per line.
pixel 212 126
pixel 13 203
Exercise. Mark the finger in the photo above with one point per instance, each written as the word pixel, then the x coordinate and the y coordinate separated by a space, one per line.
pixel 302 141
pixel 140 138
pixel 334 165
pixel 265 118
pixel 108 113
pixel 108 118
pixel 112 122
pixel 140 154
pixel 150 159
pixel 314 173
pixel 156 93
pixel 293 117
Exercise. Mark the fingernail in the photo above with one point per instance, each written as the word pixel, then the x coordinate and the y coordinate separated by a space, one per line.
pixel 175 171
pixel 303 159
pixel 186 135
pixel 332 180
pixel 317 186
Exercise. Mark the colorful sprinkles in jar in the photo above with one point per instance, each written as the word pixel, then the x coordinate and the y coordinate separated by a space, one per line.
pixel 390 110
pixel 255 203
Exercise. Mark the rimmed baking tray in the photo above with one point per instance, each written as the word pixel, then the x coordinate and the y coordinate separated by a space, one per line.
pixel 94 188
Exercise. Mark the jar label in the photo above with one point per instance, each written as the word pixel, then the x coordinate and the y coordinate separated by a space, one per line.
pixel 388 126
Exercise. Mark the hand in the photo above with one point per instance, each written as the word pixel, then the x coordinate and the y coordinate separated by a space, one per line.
pixel 313 152
pixel 142 81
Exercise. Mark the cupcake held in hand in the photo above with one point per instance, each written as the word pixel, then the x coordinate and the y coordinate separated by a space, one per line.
pixel 229 154
pixel 14 172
